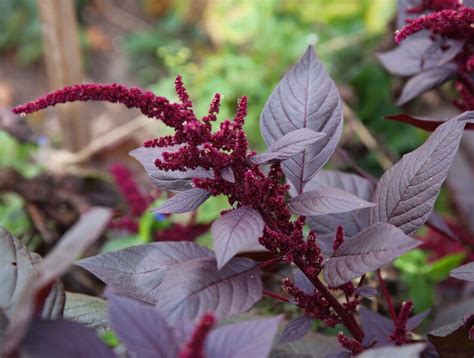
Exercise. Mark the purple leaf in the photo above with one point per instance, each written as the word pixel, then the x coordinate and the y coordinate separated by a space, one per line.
pixel 326 201
pixel 415 321
pixel 228 174
pixel 244 339
pixel 353 222
pixel 236 231
pixel 141 328
pixel 296 329
pixel 377 328
pixel 303 282
pixel 437 223
pixel 367 251
pixel 425 81
pixel 402 15
pixel 406 193
pixel 406 351
pixel 183 202
pixel 452 340
pixel 464 272
pixel 138 271
pixel 62 339
pixel 306 97
pixel 193 288
pixel 312 345
pixel 287 146
pixel 427 124
pixel 366 291
pixel 85 231
pixel 168 180
pixel 418 54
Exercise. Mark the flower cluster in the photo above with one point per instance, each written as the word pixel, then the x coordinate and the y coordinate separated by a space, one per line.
pixel 449 20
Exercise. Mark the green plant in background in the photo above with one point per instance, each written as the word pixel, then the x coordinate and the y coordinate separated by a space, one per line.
pixel 421 276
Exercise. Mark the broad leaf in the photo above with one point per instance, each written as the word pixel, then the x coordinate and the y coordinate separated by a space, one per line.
pixel 418 54
pixel 141 328
pixel 61 338
pixel 464 272
pixel 313 345
pixel 244 339
pixel 353 222
pixel 372 248
pixel 168 180
pixel 426 81
pixel 87 310
pixel 296 329
pixel 138 271
pixel 406 351
pixel 406 193
pixel 326 201
pixel 287 146
pixel 303 282
pixel 193 288
pixel 306 97
pixel 184 201
pixel 236 231
pixel 228 174
pixel 377 328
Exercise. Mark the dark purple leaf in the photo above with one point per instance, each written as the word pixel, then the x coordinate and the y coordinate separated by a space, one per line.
pixel 287 146
pixel 168 180
pixel 418 54
pixel 453 340
pixel 228 174
pixel 437 223
pixel 184 201
pixel 193 288
pixel 138 271
pixel 367 251
pixel 353 222
pixel 326 201
pixel 427 124
pixel 426 81
pixel 234 232
pixel 244 339
pixel 402 15
pixel 296 329
pixel 377 328
pixel 415 321
pixel 464 272
pixel 141 328
pixel 62 339
pixel 87 310
pixel 85 231
pixel 366 291
pixel 303 282
pixel 406 351
pixel 406 193
pixel 306 97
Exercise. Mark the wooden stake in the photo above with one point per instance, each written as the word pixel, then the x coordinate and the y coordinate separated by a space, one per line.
pixel 64 66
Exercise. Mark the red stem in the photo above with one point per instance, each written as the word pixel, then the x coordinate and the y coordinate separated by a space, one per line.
pixel 388 298
pixel 276 296
pixel 269 262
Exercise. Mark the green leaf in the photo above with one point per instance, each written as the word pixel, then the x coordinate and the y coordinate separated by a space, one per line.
pixel 110 338
pixel 412 262
pixel 439 270
pixel 210 210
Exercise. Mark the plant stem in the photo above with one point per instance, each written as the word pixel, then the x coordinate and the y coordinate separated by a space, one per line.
pixel 387 296
pixel 276 296
pixel 269 262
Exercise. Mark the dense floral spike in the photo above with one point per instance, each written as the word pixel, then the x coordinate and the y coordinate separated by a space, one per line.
pixel 434 5
pixel 195 347
pixel 452 23
pixel 350 344
pixel 399 335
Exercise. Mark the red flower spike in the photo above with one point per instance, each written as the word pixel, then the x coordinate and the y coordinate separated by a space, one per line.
pixel 195 347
